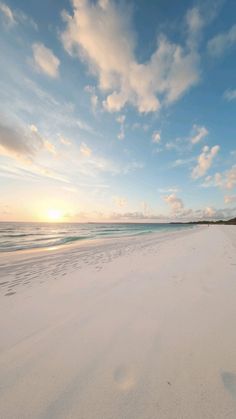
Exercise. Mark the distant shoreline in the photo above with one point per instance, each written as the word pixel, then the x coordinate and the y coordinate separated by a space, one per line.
pixel 232 221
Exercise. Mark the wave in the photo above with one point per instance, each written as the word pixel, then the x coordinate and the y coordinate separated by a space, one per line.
pixel 34 237
pixel 27 246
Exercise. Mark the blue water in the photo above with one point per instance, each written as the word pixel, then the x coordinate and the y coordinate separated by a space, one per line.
pixel 19 236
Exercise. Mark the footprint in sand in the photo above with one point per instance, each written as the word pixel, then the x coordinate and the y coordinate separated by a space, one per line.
pixel 124 378
pixel 229 381
pixel 8 294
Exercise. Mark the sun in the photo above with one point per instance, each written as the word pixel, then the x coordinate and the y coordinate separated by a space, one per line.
pixel 54 214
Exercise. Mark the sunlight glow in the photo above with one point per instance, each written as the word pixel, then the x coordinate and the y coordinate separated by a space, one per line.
pixel 54 214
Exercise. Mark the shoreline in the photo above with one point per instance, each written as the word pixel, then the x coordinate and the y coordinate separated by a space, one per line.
pixel 91 242
pixel 132 328
pixel 75 240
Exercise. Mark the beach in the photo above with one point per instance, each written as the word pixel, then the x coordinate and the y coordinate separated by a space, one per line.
pixel 123 328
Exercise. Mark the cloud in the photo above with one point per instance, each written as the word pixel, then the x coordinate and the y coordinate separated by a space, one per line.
pixel 198 133
pixel 7 14
pixel 65 141
pixel 156 137
pixel 119 201
pixel 19 143
pixel 23 143
pixel 205 161
pixel 93 97
pixel 176 204
pixel 85 150
pixel 220 43
pixel 100 33
pixel 32 172
pixel 194 20
pixel 225 180
pixel 185 144
pixel 45 61
pixel 121 120
pixel 12 18
pixel 229 199
pixel 230 94
pixel 173 189
pixel 230 178
pixel 182 162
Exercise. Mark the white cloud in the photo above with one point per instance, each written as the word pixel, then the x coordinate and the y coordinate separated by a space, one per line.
pixel 8 14
pixel 225 180
pixel 219 44
pixel 230 94
pixel 85 150
pixel 229 199
pixel 156 137
pixel 198 133
pixel 205 161
pixel 100 34
pixel 45 61
pixel 215 180
pixel 176 204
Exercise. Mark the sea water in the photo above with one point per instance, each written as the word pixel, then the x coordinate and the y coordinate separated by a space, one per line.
pixel 19 236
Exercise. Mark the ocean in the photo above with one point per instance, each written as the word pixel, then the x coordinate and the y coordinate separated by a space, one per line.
pixel 22 236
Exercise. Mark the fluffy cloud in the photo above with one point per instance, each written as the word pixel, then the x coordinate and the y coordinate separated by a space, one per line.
pixel 230 94
pixel 45 61
pixel 100 34
pixel 85 150
pixel 226 180
pixel 229 199
pixel 221 42
pixel 199 132
pixel 205 161
pixel 176 204
pixel 156 137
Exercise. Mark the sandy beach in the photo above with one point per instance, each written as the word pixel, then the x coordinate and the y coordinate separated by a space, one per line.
pixel 131 328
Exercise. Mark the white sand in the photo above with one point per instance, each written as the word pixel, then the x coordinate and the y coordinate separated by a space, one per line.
pixel 138 328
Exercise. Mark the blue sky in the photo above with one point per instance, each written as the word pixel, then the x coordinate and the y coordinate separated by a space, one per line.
pixel 117 110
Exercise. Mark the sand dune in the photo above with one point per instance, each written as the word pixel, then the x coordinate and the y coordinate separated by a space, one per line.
pixel 134 328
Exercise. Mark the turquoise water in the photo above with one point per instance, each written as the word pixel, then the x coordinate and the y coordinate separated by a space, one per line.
pixel 19 236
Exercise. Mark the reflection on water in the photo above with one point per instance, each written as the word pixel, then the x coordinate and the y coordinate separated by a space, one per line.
pixel 19 236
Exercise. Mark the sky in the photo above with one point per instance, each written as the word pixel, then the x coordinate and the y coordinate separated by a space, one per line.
pixel 117 110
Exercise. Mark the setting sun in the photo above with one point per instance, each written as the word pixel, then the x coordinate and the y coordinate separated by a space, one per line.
pixel 54 214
